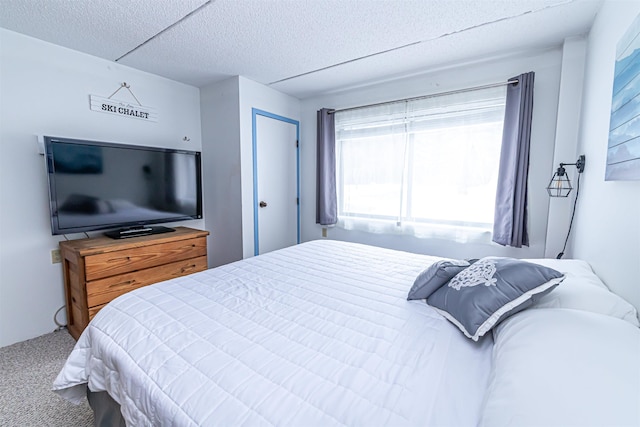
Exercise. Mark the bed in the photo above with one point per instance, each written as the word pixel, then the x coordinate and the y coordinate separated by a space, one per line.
pixel 322 334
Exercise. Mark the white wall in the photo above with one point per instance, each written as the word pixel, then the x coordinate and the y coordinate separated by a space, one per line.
pixel 547 66
pixel 567 124
pixel 44 89
pixel 220 113
pixel 256 95
pixel 607 225
pixel 227 134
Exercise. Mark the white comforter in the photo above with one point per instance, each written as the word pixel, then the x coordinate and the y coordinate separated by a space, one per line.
pixel 316 334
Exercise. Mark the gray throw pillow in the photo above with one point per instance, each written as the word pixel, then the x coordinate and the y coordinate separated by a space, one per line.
pixel 491 290
pixel 436 275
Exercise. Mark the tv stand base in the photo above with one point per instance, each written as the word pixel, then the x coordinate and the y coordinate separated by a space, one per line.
pixel 123 233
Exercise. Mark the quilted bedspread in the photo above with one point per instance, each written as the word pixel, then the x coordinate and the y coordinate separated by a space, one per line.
pixel 316 334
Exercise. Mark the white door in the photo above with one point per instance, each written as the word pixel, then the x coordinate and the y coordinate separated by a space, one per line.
pixel 276 183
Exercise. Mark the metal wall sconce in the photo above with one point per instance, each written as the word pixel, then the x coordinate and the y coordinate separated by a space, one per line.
pixel 560 185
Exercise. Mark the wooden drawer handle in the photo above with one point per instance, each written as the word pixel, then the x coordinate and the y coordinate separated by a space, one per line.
pixel 127 283
pixel 187 268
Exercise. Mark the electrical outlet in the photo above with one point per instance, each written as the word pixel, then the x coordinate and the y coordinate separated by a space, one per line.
pixel 324 232
pixel 55 256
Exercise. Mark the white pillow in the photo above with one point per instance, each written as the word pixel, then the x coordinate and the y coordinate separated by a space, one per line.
pixel 560 367
pixel 583 290
pixel 576 267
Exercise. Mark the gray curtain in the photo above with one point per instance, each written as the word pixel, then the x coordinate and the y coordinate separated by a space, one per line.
pixel 510 218
pixel 326 200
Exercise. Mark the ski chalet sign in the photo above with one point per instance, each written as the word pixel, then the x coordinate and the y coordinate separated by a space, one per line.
pixel 121 108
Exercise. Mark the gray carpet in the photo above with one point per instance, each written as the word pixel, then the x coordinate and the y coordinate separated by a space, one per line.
pixel 27 371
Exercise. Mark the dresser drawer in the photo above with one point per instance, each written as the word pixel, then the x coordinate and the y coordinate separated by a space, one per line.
pixel 99 269
pixel 102 291
pixel 128 260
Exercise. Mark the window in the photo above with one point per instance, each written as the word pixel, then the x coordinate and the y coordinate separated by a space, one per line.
pixel 424 167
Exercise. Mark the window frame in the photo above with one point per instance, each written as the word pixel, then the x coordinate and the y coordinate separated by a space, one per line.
pixel 406 212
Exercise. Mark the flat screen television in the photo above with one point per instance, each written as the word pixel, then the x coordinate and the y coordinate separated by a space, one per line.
pixel 102 185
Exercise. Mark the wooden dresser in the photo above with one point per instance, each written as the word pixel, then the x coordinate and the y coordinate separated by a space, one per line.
pixel 99 269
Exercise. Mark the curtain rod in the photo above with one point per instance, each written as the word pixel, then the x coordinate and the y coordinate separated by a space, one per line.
pixel 452 92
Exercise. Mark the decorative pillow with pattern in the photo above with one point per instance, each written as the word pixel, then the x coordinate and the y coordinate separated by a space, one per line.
pixel 434 276
pixel 490 290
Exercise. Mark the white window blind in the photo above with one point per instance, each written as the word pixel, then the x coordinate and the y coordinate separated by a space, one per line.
pixel 424 167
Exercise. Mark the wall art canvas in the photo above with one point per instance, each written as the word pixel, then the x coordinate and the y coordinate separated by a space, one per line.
pixel 623 152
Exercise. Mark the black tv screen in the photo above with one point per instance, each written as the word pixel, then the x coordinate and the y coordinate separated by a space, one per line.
pixel 101 185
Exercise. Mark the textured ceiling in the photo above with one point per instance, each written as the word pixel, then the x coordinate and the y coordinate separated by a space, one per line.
pixel 300 47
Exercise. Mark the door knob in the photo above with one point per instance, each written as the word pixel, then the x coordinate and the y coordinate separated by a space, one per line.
pixel 262 204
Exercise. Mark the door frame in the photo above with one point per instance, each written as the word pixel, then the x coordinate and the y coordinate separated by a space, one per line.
pixel 254 114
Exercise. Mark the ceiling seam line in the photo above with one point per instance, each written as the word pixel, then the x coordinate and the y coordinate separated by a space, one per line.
pixel 196 10
pixel 417 42
pixel 347 62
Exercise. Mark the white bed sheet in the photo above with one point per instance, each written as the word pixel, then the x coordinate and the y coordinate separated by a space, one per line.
pixel 316 334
